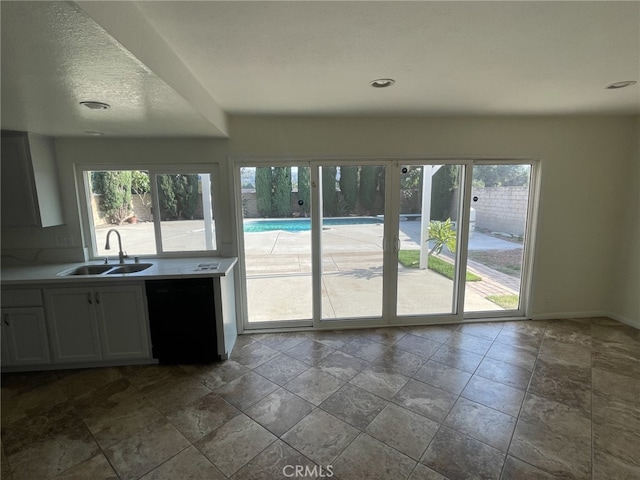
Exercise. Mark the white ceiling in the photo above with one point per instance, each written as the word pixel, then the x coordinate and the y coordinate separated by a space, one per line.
pixel 177 68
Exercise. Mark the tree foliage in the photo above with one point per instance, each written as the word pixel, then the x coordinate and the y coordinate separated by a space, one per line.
pixel 442 190
pixel 349 187
pixel 99 181
pixel 141 187
pixel 185 188
pixel 304 189
pixel 115 188
pixel 500 175
pixel 281 192
pixel 167 198
pixel 368 186
pixel 443 234
pixel 264 185
pixel 411 189
pixel 329 194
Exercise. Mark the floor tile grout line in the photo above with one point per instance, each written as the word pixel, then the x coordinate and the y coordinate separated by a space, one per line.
pixel 412 376
pixel 506 452
pixel 360 430
pixel 102 451
pixel 592 433
pixel 524 397
pixel 441 424
pixel 172 457
pixel 317 407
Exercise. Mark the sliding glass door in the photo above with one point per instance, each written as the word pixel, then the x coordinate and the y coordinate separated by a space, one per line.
pixel 352 241
pixel 497 248
pixel 334 244
pixel 276 232
pixel 428 239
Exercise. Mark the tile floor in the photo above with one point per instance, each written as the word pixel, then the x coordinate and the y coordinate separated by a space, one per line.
pixel 517 400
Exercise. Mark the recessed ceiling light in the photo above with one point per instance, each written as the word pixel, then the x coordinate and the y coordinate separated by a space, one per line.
pixel 95 105
pixel 382 82
pixel 94 133
pixel 617 85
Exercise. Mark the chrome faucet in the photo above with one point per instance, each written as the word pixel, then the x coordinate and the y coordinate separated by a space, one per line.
pixel 121 254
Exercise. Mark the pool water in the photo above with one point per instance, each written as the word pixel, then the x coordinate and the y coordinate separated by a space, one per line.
pixel 304 224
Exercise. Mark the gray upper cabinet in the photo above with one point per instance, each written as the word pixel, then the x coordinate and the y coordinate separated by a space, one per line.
pixel 30 189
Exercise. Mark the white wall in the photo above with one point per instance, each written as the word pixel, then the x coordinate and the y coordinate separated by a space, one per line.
pixel 27 243
pixel 584 163
pixel 587 255
pixel 625 286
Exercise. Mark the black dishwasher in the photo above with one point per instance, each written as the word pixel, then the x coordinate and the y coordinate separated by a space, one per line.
pixel 182 320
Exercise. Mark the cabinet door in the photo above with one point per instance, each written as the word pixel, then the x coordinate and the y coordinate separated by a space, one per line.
pixel 72 325
pixel 5 359
pixel 24 334
pixel 122 321
pixel 18 193
pixel 30 189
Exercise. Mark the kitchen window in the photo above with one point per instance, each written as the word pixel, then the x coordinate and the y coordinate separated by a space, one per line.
pixel 156 212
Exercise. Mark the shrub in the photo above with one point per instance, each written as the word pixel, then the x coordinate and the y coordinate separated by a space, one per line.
pixel 115 188
pixel 443 234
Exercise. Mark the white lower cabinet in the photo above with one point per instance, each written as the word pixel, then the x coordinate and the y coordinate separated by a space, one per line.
pixel 122 322
pixel 97 324
pixel 24 337
pixel 73 327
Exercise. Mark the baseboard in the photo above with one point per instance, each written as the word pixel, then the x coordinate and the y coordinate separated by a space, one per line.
pixel 625 320
pixel 69 366
pixel 591 314
pixel 565 315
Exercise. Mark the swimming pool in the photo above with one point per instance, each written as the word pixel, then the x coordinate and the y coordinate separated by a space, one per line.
pixel 304 224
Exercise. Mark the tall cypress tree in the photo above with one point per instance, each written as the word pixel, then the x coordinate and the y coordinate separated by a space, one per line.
pixel 368 186
pixel 281 194
pixel 442 185
pixel 167 198
pixel 264 186
pixel 349 186
pixel 191 196
pixel 304 189
pixel 179 182
pixel 329 196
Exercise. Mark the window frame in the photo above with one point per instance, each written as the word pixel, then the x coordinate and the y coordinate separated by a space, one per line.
pixel 86 216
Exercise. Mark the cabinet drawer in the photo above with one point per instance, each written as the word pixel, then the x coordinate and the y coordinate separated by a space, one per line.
pixel 21 298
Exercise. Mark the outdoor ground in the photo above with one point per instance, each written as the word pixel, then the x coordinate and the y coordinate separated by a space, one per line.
pixel 505 261
pixel 279 265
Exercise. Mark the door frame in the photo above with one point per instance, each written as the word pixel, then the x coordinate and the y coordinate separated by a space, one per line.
pixel 241 279
pixel 391 229
pixel 529 243
pixel 316 240
pixel 458 286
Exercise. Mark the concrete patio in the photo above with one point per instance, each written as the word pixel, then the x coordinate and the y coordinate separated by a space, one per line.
pixel 279 275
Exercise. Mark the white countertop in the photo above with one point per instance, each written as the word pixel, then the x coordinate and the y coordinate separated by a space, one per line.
pixel 160 268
